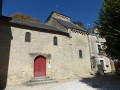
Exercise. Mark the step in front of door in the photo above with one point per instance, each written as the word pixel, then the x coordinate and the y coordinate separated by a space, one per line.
pixel 40 80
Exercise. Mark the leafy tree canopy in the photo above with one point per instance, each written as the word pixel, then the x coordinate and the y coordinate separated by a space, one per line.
pixel 80 24
pixel 108 25
pixel 25 17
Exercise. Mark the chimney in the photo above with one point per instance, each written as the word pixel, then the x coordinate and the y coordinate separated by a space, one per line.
pixel 0 7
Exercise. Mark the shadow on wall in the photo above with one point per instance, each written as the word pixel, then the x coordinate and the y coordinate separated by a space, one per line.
pixel 105 82
pixel 5 42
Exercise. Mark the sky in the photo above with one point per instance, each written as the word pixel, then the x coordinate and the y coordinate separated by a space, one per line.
pixel 86 11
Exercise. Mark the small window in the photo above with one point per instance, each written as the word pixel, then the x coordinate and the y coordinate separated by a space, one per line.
pixel 55 40
pixel 99 49
pixel 27 37
pixel 80 53
pixel 97 36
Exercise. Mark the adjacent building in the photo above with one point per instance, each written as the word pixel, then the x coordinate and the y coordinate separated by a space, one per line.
pixel 99 61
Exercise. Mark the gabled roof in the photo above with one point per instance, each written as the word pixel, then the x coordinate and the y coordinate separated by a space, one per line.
pixel 69 25
pixel 57 13
pixel 30 24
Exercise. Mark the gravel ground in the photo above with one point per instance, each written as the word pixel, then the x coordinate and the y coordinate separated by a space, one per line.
pixel 61 85
pixel 106 82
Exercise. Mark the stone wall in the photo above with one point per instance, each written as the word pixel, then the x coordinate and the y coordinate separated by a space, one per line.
pixel 80 42
pixel 64 58
pixel 60 16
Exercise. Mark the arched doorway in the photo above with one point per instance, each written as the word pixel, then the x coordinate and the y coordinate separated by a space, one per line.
pixel 39 66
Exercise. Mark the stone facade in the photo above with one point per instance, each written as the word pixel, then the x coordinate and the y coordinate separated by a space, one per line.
pixel 78 41
pixel 59 16
pixel 18 56
pixel 97 56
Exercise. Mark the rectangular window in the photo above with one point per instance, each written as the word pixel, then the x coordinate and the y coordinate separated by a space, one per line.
pixel 55 40
pixel 80 53
pixel 99 49
pixel 27 37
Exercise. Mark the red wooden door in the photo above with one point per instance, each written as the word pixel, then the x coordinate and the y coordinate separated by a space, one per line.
pixel 40 67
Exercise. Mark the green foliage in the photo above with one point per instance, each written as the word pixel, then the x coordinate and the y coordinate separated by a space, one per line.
pixel 25 17
pixel 80 24
pixel 94 27
pixel 108 25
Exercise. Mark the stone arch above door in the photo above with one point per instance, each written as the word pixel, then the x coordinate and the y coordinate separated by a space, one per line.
pixel 34 55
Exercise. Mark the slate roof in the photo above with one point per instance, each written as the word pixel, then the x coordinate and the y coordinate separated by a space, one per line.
pixel 69 25
pixel 31 24
pixel 90 30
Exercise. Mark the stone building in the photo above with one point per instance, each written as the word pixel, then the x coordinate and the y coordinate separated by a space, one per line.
pixel 100 62
pixel 58 49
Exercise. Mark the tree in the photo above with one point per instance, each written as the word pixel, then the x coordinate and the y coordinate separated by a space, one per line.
pixel 25 17
pixel 108 25
pixel 95 27
pixel 80 24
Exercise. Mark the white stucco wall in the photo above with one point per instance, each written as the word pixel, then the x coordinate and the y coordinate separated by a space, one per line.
pixel 94 42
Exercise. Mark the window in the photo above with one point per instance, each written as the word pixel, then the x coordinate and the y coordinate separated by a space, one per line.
pixel 102 64
pixel 99 49
pixel 97 36
pixel 80 53
pixel 27 37
pixel 55 40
